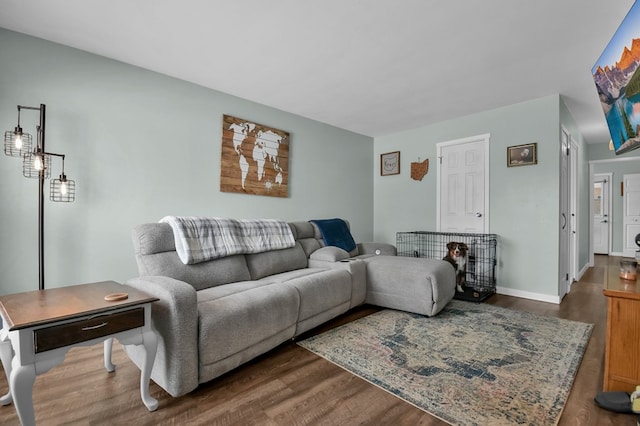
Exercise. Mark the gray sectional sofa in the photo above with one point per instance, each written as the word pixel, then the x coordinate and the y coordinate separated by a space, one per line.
pixel 213 316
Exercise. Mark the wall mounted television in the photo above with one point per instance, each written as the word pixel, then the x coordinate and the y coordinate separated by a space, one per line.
pixel 617 78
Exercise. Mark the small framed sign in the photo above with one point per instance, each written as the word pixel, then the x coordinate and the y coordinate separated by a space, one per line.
pixel 522 155
pixel 390 163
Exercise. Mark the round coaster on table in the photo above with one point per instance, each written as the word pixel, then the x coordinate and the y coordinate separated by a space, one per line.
pixel 113 297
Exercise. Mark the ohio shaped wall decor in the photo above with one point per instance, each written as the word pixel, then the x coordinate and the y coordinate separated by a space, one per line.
pixel 255 158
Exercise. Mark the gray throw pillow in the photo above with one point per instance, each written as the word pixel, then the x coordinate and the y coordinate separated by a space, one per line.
pixel 329 254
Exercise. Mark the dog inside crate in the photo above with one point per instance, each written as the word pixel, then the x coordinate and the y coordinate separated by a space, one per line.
pixel 457 256
pixel 474 260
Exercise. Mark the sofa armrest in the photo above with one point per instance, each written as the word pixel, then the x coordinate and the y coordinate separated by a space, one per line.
pixel 372 249
pixel 175 320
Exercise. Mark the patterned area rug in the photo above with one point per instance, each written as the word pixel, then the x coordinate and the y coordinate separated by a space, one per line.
pixel 472 364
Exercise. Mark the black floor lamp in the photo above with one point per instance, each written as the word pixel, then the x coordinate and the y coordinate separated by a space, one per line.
pixel 36 164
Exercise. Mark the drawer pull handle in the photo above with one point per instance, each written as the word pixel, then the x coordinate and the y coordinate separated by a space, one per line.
pixel 93 327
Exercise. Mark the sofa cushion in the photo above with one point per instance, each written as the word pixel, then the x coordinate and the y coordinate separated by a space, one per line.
pixel 237 321
pixel 150 238
pixel 302 230
pixel 289 275
pixel 323 295
pixel 155 250
pixel 305 234
pixel 419 285
pixel 329 254
pixel 221 291
pixel 276 261
pixel 322 291
pixel 202 275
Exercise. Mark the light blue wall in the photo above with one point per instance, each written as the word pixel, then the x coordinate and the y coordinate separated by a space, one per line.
pixel 524 201
pixel 140 146
pixel 602 160
pixel 601 151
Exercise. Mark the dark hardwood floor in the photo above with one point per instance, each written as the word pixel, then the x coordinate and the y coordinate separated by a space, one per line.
pixel 291 386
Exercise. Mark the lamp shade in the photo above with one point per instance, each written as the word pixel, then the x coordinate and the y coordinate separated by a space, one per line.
pixel 62 189
pixel 34 163
pixel 17 143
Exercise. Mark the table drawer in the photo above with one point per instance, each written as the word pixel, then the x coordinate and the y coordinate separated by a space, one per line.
pixel 57 336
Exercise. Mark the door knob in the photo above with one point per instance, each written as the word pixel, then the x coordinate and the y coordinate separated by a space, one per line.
pixel 478 214
pixel 603 221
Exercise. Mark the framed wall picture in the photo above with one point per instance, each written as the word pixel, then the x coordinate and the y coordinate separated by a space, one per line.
pixel 522 155
pixel 390 163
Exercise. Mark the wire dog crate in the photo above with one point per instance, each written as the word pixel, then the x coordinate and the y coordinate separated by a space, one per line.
pixel 480 279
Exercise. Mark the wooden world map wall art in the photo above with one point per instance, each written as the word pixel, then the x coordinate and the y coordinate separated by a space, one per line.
pixel 255 158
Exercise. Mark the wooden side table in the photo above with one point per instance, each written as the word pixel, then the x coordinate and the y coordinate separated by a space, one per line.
pixel 622 353
pixel 39 327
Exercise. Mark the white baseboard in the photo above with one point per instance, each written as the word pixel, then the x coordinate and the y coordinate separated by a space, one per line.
pixel 538 296
pixel 528 295
pixel 582 272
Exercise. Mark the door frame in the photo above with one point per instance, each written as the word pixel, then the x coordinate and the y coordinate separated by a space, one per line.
pixel 608 179
pixel 564 214
pixel 625 199
pixel 485 138
pixel 607 165
pixel 574 235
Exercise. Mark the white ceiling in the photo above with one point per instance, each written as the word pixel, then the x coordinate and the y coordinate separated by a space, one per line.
pixel 374 67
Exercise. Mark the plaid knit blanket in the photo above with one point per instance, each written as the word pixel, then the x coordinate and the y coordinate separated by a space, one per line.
pixel 199 239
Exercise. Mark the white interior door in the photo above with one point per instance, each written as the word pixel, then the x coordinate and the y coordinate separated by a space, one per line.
pixel 565 218
pixel 631 213
pixel 601 228
pixel 463 182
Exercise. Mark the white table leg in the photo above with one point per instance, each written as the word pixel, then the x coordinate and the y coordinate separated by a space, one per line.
pixel 6 356
pixel 150 342
pixel 21 385
pixel 108 346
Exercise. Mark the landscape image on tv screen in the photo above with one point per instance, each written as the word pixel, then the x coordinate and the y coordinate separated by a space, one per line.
pixel 617 78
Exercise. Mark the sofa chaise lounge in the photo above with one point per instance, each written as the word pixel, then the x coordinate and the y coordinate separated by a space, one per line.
pixel 215 315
